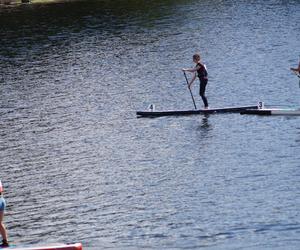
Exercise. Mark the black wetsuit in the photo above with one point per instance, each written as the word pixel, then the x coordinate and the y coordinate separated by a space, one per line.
pixel 202 74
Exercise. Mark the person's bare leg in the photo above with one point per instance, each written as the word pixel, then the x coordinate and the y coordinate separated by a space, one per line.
pixel 3 231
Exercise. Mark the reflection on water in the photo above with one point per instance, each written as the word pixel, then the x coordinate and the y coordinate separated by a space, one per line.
pixel 205 126
pixel 205 123
pixel 78 166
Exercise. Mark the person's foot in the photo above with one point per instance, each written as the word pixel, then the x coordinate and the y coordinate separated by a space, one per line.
pixel 206 107
pixel 4 244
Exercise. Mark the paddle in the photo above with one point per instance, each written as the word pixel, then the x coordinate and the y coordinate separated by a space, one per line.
pixel 187 82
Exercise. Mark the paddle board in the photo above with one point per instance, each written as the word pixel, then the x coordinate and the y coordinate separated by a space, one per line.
pixel 153 113
pixel 75 246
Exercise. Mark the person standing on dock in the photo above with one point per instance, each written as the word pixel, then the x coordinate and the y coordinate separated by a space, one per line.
pixel 201 70
pixel 3 231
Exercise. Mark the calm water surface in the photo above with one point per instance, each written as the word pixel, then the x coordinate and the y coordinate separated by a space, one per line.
pixel 79 166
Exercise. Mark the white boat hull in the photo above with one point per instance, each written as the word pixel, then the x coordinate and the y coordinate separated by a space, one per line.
pixel 288 112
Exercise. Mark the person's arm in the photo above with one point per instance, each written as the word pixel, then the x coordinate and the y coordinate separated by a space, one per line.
pixel 192 70
pixel 192 80
pixel 296 69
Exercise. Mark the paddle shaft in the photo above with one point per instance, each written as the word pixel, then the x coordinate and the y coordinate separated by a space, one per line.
pixel 187 82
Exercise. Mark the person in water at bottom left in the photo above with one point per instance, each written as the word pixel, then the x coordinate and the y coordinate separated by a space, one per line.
pixel 3 231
